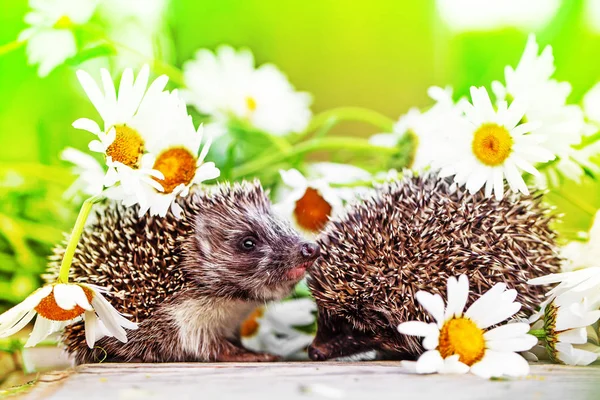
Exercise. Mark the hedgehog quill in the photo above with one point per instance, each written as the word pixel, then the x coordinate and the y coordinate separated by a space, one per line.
pixel 413 235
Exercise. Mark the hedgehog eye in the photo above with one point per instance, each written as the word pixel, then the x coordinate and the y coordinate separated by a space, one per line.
pixel 248 243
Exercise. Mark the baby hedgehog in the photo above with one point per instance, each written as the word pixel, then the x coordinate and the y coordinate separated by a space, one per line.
pixel 412 235
pixel 188 283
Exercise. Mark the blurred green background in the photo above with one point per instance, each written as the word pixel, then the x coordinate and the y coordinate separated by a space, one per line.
pixel 381 55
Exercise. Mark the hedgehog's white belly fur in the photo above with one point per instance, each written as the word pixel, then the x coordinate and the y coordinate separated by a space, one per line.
pixel 204 322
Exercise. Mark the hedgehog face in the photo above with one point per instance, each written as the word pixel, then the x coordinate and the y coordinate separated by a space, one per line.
pixel 245 251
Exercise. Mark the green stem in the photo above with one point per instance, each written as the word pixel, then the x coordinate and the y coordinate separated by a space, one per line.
pixel 588 140
pixel 8 47
pixel 334 143
pixel 538 333
pixel 336 115
pixel 65 266
pixel 371 182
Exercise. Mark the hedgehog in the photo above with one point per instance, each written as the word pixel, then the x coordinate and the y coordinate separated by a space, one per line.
pixel 188 283
pixel 412 235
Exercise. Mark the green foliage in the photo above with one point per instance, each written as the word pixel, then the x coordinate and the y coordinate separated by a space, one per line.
pixel 33 217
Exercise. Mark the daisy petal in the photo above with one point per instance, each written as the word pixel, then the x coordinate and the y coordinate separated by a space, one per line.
pixel 433 304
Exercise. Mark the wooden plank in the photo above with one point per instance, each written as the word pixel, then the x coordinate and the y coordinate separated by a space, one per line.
pixel 305 380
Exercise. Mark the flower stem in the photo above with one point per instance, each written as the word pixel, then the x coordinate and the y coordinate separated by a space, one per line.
pixel 334 143
pixel 65 266
pixel 367 183
pixel 8 47
pixel 538 333
pixel 588 140
pixel 335 115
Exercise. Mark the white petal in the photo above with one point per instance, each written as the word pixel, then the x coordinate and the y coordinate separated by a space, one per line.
pixel 521 343
pixel 573 336
pixel 458 294
pixel 80 298
pixel 486 302
pixel 63 294
pixel 572 356
pixel 87 125
pixel 41 329
pixel 433 304
pixel 93 91
pixel 293 178
pixel 97 146
pixel 429 362
pixel 107 315
pixel 452 365
pixel 417 328
pixel 91 324
pixel 18 324
pixel 511 330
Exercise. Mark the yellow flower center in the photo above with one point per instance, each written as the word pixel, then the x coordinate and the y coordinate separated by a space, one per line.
pixel 492 144
pixel 250 326
pixel 251 103
pixel 461 336
pixel 127 148
pixel 178 166
pixel 63 22
pixel 312 211
pixel 49 309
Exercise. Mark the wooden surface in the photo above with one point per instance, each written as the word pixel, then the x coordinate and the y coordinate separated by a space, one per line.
pixel 286 381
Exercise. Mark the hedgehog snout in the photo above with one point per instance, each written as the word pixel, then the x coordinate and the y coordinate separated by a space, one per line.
pixel 310 251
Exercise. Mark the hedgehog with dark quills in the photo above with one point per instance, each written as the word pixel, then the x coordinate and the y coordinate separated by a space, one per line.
pixel 412 235
pixel 188 283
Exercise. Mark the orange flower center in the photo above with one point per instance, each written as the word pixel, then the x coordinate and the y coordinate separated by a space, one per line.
pixel 250 326
pixel 312 211
pixel 178 166
pixel 127 148
pixel 492 144
pixel 48 308
pixel 461 336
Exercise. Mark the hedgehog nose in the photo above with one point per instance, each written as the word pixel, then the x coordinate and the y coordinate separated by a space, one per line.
pixel 310 251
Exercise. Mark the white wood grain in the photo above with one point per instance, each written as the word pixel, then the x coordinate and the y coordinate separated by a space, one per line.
pixel 304 380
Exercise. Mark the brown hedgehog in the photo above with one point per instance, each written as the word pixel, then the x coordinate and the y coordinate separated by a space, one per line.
pixel 188 283
pixel 410 236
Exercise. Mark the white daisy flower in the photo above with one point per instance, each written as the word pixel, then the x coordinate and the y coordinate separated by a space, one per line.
pixel 583 254
pixel 460 342
pixel 424 129
pixel 564 328
pixel 132 117
pixel 89 172
pixel 226 84
pixel 138 25
pixel 273 330
pixel 491 145
pixel 531 81
pixel 62 304
pixel 50 39
pixel 573 287
pixel 310 202
pixel 178 157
